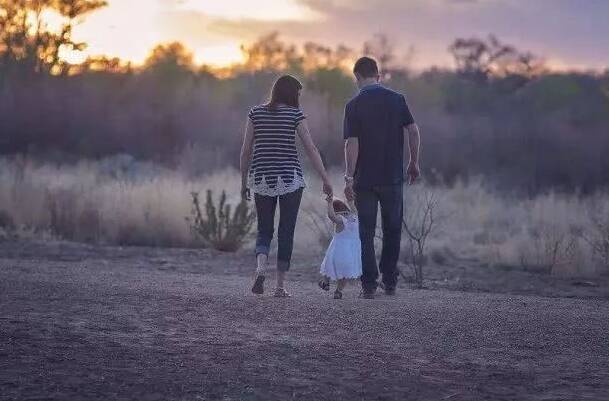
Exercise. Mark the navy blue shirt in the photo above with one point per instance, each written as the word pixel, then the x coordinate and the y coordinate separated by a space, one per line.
pixel 377 117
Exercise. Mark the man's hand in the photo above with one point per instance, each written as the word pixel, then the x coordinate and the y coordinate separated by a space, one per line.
pixel 349 192
pixel 413 173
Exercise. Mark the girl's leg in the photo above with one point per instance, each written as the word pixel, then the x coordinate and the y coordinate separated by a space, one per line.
pixel 340 286
pixel 324 283
pixel 288 213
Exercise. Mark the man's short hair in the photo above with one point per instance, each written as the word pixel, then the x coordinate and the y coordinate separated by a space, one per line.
pixel 366 67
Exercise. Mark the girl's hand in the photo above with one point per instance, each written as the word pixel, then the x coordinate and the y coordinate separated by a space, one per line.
pixel 329 198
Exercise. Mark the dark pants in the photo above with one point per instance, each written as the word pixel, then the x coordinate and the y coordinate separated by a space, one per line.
pixel 367 201
pixel 288 212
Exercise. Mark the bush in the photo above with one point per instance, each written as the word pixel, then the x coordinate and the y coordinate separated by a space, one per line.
pixel 217 227
pixel 6 221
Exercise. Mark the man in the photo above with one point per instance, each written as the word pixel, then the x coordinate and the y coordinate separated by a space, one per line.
pixel 376 122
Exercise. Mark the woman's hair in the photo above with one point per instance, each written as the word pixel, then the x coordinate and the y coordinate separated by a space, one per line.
pixel 285 91
pixel 339 206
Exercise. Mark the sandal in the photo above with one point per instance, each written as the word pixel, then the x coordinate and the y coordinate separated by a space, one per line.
pixel 324 284
pixel 281 293
pixel 338 294
pixel 258 287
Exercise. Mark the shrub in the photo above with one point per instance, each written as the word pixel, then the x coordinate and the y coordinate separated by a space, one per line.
pixel 419 221
pixel 218 227
pixel 551 246
pixel 6 221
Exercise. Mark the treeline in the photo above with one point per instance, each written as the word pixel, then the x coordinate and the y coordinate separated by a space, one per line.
pixel 499 114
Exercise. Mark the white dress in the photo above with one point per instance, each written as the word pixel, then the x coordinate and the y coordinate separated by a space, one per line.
pixel 344 255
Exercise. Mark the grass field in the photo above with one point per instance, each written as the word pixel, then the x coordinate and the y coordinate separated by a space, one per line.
pixel 123 202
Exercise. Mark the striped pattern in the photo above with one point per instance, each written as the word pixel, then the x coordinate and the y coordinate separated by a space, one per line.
pixel 275 168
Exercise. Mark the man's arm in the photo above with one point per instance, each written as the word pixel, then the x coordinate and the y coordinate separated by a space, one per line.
pixel 413 142
pixel 351 153
pixel 351 135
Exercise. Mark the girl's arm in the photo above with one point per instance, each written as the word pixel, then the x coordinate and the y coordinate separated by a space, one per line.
pixel 246 157
pixel 351 204
pixel 314 156
pixel 333 216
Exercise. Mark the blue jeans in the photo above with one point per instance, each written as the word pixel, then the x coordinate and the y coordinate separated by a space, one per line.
pixel 367 200
pixel 288 212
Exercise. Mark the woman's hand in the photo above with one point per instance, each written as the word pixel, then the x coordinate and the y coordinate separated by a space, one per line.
pixel 245 193
pixel 327 188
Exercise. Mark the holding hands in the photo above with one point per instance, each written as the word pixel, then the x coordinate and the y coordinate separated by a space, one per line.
pixel 327 188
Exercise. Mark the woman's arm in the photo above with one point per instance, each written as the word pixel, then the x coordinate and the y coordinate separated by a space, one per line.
pixel 314 156
pixel 246 157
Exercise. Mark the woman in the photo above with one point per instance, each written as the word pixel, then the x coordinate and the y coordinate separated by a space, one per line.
pixel 275 175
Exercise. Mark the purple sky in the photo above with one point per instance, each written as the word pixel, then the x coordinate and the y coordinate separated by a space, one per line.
pixel 567 33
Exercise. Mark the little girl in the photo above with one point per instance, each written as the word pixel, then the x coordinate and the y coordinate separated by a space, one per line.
pixel 343 258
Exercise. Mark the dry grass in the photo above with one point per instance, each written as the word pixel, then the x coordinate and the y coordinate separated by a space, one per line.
pixel 124 202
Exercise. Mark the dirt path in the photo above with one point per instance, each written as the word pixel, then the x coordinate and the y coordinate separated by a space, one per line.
pixel 123 328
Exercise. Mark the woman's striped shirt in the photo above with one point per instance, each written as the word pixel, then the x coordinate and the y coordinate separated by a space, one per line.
pixel 275 168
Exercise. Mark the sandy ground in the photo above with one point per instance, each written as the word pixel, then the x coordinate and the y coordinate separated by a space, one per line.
pixel 79 322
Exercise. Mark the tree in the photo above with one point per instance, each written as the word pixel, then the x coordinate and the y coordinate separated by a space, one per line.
pixel 28 45
pixel 481 59
pixel 382 49
pixel 270 53
pixel 170 59
pixel 317 56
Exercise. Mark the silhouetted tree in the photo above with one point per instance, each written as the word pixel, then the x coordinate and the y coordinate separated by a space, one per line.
pixel 270 53
pixel 27 45
pixel 170 59
pixel 481 59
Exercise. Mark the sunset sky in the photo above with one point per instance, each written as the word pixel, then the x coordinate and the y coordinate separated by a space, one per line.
pixel 567 33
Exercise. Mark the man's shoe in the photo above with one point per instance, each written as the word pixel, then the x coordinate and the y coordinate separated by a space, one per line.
pixel 389 291
pixel 367 294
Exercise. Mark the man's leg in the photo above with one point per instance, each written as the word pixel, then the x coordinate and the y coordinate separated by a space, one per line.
pixel 391 215
pixel 366 202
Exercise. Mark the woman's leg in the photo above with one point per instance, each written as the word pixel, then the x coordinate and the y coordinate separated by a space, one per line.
pixel 288 213
pixel 265 211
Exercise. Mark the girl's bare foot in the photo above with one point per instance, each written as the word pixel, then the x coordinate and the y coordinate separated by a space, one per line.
pixel 324 284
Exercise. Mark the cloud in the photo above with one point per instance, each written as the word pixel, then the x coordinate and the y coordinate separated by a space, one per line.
pixel 570 32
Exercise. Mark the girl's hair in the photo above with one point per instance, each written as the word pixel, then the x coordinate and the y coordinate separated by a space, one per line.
pixel 285 91
pixel 339 206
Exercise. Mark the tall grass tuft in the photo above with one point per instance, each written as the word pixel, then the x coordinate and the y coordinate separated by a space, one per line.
pixel 217 226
